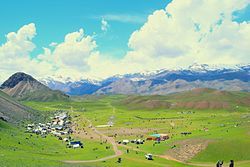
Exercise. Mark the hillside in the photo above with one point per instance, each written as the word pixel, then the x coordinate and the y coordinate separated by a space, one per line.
pixel 12 111
pixel 200 98
pixel 203 98
pixel 145 102
pixel 24 87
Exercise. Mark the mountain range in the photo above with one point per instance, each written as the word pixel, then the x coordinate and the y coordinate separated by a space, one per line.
pixel 159 82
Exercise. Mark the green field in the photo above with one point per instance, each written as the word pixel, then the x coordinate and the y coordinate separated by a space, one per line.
pixel 223 135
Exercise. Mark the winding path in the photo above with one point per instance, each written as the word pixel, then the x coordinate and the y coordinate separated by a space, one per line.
pixel 109 139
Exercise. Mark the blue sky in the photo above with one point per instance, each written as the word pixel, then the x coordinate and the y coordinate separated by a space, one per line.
pixel 101 38
pixel 55 18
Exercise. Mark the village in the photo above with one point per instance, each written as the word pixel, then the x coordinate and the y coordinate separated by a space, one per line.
pixel 59 126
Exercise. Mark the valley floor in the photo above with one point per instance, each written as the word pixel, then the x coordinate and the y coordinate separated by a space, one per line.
pixel 215 135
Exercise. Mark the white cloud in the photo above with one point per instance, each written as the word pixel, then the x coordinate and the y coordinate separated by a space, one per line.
pixel 71 56
pixel 191 31
pixel 104 25
pixel 185 32
pixel 19 43
pixel 15 53
pixel 75 50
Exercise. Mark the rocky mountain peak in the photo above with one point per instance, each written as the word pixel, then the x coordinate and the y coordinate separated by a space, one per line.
pixel 13 80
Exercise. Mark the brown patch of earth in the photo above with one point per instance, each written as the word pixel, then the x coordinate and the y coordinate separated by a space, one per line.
pixel 187 149
pixel 245 101
pixel 203 105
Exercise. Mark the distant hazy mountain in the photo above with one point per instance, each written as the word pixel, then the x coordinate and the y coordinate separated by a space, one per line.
pixel 24 87
pixel 161 82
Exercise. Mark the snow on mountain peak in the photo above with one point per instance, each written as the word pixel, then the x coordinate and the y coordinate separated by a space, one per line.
pixel 65 80
pixel 198 67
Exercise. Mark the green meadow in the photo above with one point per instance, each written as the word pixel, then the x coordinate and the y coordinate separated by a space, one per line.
pixel 216 134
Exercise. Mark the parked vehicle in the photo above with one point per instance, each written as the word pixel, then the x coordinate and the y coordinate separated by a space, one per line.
pixel 149 156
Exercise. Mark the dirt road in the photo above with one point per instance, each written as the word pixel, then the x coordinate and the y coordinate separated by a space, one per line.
pixel 103 137
pixel 109 140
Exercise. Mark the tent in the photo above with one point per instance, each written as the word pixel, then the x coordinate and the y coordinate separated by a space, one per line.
pixel 158 137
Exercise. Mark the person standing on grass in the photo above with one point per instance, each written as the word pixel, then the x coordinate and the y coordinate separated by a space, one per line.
pixel 218 164
pixel 231 163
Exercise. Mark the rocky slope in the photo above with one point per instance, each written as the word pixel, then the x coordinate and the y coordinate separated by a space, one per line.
pixel 12 111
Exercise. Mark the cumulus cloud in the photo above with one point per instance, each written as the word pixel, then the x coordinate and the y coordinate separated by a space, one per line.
pixel 19 43
pixel 69 58
pixel 75 50
pixel 15 53
pixel 183 33
pixel 192 31
pixel 104 25
pixel 72 55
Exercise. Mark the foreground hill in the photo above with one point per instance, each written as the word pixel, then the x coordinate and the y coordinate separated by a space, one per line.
pixel 200 98
pixel 24 87
pixel 12 111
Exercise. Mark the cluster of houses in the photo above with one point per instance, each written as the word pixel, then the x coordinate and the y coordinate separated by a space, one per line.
pixel 59 126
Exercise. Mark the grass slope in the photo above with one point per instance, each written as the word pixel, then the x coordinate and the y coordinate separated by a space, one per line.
pixel 44 95
pixel 21 149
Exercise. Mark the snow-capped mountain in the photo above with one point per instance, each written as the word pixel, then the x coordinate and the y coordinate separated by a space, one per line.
pixel 71 86
pixel 159 82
